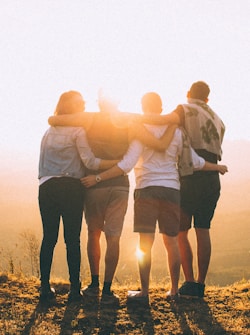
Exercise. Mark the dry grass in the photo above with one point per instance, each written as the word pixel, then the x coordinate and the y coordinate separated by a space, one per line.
pixel 223 311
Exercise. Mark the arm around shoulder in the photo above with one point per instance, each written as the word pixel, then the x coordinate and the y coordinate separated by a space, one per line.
pixel 72 120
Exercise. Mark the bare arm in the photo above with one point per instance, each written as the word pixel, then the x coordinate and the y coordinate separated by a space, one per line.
pixel 107 164
pixel 123 167
pixel 222 169
pixel 73 120
pixel 171 118
pixel 140 133
pixel 90 180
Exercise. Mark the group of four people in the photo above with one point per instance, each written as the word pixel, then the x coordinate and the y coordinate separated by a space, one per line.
pixel 97 150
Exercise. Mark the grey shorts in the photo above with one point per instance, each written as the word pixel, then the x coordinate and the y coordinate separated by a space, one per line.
pixel 157 203
pixel 105 209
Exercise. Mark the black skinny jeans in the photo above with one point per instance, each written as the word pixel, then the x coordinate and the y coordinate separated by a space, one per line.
pixel 61 197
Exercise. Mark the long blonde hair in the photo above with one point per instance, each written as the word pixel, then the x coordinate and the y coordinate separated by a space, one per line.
pixel 69 103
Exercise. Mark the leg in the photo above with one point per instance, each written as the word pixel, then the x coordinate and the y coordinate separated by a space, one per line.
pixel 146 243
pixel 94 255
pixel 111 257
pixel 191 288
pixel 171 244
pixel 113 224
pixel 203 252
pixel 186 255
pixel 94 250
pixel 95 203
pixel 50 215
pixel 72 208
pixel 72 231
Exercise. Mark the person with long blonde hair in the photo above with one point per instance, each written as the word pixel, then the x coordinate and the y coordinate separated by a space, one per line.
pixel 64 156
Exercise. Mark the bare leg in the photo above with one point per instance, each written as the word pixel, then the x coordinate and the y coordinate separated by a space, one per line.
pixel 203 252
pixel 146 243
pixel 186 256
pixel 111 257
pixel 171 244
pixel 94 251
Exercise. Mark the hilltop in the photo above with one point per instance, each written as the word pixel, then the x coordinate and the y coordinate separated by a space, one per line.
pixel 224 310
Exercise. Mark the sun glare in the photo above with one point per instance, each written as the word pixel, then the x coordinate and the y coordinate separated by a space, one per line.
pixel 139 254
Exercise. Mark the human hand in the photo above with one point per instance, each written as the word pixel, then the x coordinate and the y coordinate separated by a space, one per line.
pixel 88 181
pixel 222 169
pixel 108 105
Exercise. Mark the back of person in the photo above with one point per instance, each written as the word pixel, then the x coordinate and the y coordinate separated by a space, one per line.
pixel 204 127
pixel 157 168
pixel 105 204
pixel 61 195
pixel 108 142
pixel 59 155
pixel 200 191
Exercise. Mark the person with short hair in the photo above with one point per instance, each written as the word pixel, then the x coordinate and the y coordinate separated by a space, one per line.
pixel 200 191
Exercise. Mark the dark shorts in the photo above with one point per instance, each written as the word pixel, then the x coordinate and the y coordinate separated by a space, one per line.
pixel 157 203
pixel 199 196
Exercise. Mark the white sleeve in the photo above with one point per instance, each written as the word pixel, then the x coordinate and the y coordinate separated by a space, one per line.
pixel 87 156
pixel 198 162
pixel 131 157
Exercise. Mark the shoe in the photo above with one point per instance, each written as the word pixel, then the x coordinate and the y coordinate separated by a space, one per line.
pixel 201 290
pixel 110 298
pixel 192 290
pixel 74 296
pixel 47 294
pixel 91 291
pixel 172 297
pixel 135 296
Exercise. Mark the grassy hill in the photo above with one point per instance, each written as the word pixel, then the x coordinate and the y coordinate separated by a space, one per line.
pixel 224 310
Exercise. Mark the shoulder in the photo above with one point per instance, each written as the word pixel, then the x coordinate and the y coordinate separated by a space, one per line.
pixel 179 114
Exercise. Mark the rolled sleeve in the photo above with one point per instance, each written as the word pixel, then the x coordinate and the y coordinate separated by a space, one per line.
pixel 85 152
pixel 198 162
pixel 131 157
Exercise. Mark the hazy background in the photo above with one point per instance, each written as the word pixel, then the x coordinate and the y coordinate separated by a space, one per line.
pixel 126 48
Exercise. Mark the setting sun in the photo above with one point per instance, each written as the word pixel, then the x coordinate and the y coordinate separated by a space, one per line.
pixel 139 254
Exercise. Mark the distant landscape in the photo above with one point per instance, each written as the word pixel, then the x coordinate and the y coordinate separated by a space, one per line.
pixel 230 231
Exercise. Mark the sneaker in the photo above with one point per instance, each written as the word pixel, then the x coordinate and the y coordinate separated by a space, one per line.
pixel 110 298
pixel 172 297
pixel 47 294
pixel 136 297
pixel 74 296
pixel 91 291
pixel 192 290
pixel 201 290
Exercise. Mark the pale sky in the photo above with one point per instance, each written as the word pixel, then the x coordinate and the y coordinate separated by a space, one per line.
pixel 125 47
